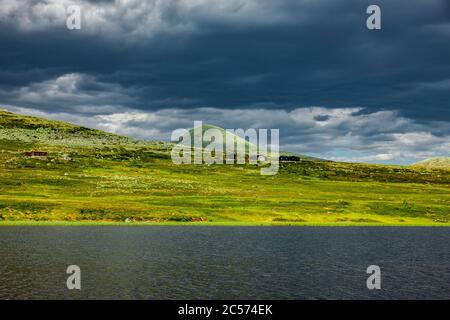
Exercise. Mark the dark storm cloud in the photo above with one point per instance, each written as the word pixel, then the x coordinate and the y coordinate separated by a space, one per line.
pixel 299 53
pixel 235 55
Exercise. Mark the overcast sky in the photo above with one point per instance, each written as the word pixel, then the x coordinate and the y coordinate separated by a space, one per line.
pixel 308 67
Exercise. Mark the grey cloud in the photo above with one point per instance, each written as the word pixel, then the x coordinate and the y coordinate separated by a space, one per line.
pixel 72 92
pixel 143 19
pixel 236 53
pixel 85 94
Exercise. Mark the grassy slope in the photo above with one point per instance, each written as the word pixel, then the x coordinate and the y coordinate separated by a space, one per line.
pixel 112 178
pixel 438 162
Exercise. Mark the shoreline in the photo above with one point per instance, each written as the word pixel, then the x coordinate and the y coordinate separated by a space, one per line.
pixel 220 224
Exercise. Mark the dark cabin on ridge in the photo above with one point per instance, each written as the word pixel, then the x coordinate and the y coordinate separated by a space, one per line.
pixel 34 154
pixel 289 159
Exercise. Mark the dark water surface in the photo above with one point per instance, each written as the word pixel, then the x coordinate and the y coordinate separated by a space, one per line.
pixel 224 262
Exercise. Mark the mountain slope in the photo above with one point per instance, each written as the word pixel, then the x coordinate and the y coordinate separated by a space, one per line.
pixel 437 163
pixel 9 120
pixel 29 129
pixel 241 141
pixel 205 127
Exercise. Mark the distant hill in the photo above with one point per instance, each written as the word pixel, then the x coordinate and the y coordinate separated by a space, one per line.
pixel 238 140
pixel 436 163
pixel 29 129
pixel 9 120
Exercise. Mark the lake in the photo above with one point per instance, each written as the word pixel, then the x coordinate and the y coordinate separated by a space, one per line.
pixel 151 262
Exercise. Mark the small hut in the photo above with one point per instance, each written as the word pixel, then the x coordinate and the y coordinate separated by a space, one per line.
pixel 289 159
pixel 37 154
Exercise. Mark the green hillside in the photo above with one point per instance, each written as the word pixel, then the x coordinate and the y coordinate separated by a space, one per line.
pixel 438 162
pixel 239 142
pixel 27 129
pixel 92 176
